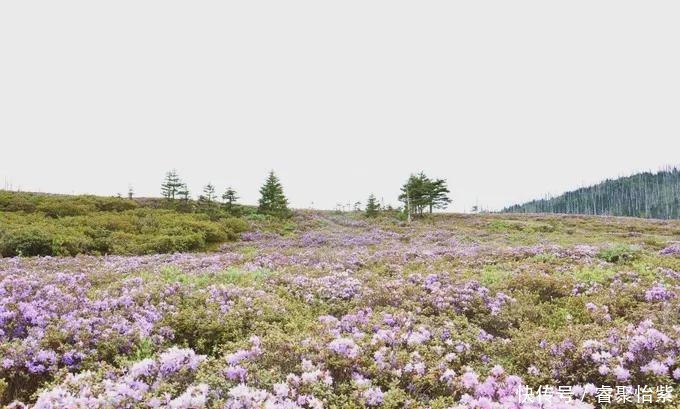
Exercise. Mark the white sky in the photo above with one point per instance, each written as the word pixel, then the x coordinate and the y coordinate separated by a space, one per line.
pixel 508 100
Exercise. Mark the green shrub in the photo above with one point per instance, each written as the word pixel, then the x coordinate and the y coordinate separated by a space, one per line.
pixel 62 205
pixel 619 254
pixel 16 202
pixel 233 226
pixel 77 227
pixel 593 274
pixel 65 208
pixel 546 286
pixel 26 241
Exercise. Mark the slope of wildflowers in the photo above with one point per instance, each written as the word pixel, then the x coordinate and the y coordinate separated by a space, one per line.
pixel 451 312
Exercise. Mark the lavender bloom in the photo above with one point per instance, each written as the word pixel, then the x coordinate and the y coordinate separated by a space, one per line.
pixel 658 292
pixel 621 373
pixel 176 359
pixel 345 347
pixel 373 396
pixel 655 367
pixel 470 379
pixel 671 250
pixel 236 373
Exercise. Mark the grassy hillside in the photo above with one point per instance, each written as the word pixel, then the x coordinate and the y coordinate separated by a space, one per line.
pixel 50 225
pixel 650 195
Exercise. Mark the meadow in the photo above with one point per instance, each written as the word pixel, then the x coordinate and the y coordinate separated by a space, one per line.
pixel 341 311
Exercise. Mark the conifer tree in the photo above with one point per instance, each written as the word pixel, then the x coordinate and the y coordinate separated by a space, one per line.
pixel 437 194
pixel 183 192
pixel 372 206
pixel 272 200
pixel 171 185
pixel 414 194
pixel 209 194
pixel 230 199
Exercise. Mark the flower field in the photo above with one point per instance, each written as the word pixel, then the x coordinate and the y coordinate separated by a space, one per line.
pixel 477 311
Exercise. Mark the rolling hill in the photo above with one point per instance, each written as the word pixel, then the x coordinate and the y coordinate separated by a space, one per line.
pixel 647 194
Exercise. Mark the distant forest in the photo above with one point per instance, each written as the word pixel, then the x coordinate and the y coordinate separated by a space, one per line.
pixel 650 195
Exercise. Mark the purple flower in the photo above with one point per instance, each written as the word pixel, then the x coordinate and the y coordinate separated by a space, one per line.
pixel 448 376
pixel 345 347
pixel 658 292
pixel 676 374
pixel 175 359
pixel 281 390
pixel 672 249
pixel 145 367
pixel 621 373
pixel 373 396
pixel 421 336
pixel 236 373
pixel 497 371
pixel 72 358
pixel 469 379
pixel 655 367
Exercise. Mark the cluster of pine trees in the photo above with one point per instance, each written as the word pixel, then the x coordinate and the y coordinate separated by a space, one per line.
pixel 173 187
pixel 651 195
pixel 272 199
pixel 419 193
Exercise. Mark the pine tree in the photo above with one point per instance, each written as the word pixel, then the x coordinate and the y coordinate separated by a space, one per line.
pixel 272 199
pixel 183 192
pixel 209 194
pixel 372 206
pixel 414 194
pixel 230 199
pixel 437 193
pixel 171 185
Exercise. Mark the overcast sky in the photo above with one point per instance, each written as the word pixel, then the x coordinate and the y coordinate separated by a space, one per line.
pixel 507 100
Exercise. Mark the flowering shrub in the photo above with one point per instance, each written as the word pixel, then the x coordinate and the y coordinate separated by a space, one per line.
pixel 670 250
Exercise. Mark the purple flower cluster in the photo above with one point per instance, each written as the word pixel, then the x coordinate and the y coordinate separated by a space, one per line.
pixel 670 250
pixel 145 381
pixel 36 308
pixel 345 347
pixel 638 351
pixel 336 286
pixel 659 292
pixel 502 391
pixel 442 294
